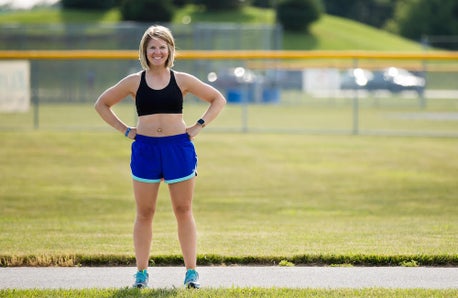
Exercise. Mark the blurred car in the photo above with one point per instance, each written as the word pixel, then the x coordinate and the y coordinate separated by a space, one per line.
pixel 244 85
pixel 232 77
pixel 356 78
pixel 393 79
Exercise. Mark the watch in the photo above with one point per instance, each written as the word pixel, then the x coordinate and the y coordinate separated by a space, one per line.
pixel 201 122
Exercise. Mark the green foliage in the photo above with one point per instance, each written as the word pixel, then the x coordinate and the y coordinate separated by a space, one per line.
pixel 88 4
pixel 54 16
pixel 336 33
pixel 233 292
pixel 181 3
pixel 286 263
pixel 297 15
pixel 71 260
pixel 263 3
pixel 147 10
pixel 411 263
pixel 371 12
pixel 245 15
pixel 329 33
pixel 416 18
pixel 213 5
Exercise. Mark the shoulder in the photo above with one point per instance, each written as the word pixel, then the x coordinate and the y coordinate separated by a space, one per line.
pixel 191 84
pixel 134 76
pixel 185 79
pixel 132 80
pixel 183 75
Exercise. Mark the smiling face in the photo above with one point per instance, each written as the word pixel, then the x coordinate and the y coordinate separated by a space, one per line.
pixel 157 52
pixel 157 48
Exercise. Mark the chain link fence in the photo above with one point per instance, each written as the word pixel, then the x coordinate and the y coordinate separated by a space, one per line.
pixel 333 95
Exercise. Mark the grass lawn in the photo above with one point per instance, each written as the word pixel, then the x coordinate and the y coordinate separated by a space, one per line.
pixel 234 292
pixel 56 16
pixel 258 195
pixel 66 196
pixel 297 112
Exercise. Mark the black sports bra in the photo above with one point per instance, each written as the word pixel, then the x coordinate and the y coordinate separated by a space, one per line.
pixel 165 101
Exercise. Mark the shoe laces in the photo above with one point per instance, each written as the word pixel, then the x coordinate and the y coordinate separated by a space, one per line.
pixel 192 275
pixel 141 276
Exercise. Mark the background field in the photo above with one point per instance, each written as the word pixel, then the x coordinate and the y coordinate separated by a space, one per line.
pixel 275 181
pixel 297 113
pixel 258 195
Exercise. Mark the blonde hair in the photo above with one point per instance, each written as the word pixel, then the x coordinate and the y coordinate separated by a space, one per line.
pixel 160 32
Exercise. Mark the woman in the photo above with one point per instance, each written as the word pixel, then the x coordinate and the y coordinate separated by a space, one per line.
pixel 163 148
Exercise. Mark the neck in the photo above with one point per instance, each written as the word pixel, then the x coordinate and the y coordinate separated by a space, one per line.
pixel 158 70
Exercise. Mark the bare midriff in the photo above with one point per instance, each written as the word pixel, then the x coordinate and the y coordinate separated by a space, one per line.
pixel 160 125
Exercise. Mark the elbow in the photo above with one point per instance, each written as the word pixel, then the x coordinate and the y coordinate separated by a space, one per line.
pixel 218 102
pixel 222 101
pixel 99 106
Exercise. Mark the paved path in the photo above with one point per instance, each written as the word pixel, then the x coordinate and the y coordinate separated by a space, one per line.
pixel 236 276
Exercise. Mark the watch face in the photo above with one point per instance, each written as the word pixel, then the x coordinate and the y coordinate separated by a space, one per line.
pixel 201 121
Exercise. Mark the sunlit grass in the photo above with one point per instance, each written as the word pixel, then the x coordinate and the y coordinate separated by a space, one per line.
pixel 55 16
pixel 351 35
pixel 257 194
pixel 296 113
pixel 234 292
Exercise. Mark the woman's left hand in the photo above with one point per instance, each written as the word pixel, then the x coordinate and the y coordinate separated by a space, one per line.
pixel 193 131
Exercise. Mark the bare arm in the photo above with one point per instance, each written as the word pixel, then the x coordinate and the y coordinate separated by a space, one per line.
pixel 205 92
pixel 114 95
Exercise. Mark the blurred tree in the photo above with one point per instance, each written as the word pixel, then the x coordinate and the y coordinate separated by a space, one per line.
pixel 218 5
pixel 88 4
pixel 372 12
pixel 147 10
pixel 416 18
pixel 181 3
pixel 263 3
pixel 297 15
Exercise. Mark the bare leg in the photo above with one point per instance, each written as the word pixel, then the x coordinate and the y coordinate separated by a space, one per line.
pixel 181 194
pixel 145 198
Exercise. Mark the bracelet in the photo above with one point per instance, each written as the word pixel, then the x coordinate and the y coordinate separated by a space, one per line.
pixel 127 132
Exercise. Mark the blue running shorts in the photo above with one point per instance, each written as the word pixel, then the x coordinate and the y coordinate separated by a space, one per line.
pixel 172 158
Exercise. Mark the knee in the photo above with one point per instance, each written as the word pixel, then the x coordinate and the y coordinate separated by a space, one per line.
pixel 183 211
pixel 145 214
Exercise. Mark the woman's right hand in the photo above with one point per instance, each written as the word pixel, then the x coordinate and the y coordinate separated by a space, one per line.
pixel 132 133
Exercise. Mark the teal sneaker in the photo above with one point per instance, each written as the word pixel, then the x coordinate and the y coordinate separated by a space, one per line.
pixel 192 279
pixel 141 279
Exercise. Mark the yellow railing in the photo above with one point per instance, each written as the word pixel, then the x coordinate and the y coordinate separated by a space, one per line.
pixel 217 55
